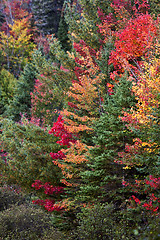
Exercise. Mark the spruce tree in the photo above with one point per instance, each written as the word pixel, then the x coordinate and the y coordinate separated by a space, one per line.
pixel 21 103
pixel 8 84
pixel 47 15
pixel 63 34
pixel 103 176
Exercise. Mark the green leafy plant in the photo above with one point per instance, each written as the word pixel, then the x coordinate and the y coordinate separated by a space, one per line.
pixel 28 147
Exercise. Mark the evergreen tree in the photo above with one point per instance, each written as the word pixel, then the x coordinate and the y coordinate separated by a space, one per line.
pixel 82 19
pixel 48 97
pixel 47 15
pixel 8 84
pixel 22 99
pixel 63 34
pixel 102 179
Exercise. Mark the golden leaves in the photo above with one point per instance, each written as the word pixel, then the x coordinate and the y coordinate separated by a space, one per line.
pixel 147 90
pixel 16 45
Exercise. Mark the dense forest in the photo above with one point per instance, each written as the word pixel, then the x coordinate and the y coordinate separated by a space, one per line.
pixel 79 119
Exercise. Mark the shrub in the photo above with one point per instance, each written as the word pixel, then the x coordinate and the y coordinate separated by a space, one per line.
pixel 95 223
pixel 26 222
pixel 104 222
pixel 10 195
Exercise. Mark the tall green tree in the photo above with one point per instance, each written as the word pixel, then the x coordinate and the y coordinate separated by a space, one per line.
pixel 21 103
pixel 82 19
pixel 103 176
pixel 63 34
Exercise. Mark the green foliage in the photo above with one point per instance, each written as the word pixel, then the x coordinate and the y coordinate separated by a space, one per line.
pixel 103 64
pixel 137 224
pixel 47 100
pixel 103 222
pixel 65 59
pixel 151 230
pixel 54 80
pixel 1 59
pixel 96 223
pixel 8 86
pixel 28 147
pixel 63 34
pixel 21 103
pixel 154 7
pixel 103 176
pixel 82 19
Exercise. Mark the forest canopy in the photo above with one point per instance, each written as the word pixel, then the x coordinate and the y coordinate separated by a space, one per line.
pixel 80 113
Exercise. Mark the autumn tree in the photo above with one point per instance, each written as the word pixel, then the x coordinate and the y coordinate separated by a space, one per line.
pixel 14 10
pixel 137 45
pixel 145 119
pixel 17 46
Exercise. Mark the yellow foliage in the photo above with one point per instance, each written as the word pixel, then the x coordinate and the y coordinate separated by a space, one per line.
pixel 147 91
pixel 16 45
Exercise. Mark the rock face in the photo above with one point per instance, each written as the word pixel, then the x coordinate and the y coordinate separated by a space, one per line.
pixel 47 15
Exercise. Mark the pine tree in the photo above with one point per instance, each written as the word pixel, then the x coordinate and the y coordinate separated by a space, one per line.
pixel 82 19
pixel 52 82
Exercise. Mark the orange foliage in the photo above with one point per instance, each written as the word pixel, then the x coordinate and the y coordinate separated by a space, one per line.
pixel 85 94
pixel 75 156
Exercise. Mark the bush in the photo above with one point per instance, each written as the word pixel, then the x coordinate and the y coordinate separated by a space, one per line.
pixel 9 195
pixel 104 222
pixel 26 222
pixel 95 223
